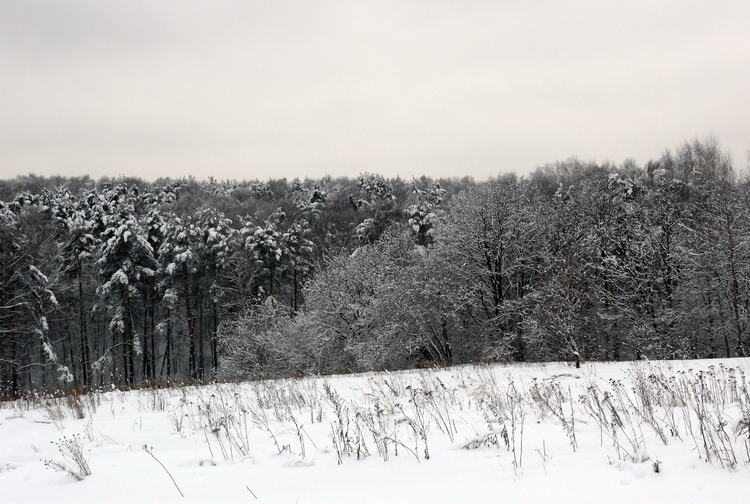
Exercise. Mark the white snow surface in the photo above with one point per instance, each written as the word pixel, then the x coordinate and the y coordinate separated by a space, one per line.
pixel 277 441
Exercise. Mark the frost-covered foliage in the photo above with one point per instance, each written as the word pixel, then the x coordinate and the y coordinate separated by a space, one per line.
pixel 422 215
pixel 126 263
pixel 376 187
pixel 311 202
pixel 264 243
pixel 146 282
pixel 356 316
pixel 266 341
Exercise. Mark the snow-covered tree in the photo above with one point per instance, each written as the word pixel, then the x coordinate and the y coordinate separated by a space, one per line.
pixel 27 299
pixel 264 242
pixel 78 252
pixel 422 215
pixel 179 260
pixel 379 205
pixel 489 265
pixel 298 251
pixel 126 259
pixel 212 251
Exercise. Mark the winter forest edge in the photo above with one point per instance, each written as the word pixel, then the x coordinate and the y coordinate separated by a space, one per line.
pixel 127 282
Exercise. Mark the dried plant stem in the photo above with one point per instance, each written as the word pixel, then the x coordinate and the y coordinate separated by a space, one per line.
pixel 147 449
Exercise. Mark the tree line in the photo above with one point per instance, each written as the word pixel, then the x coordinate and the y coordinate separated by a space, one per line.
pixel 122 281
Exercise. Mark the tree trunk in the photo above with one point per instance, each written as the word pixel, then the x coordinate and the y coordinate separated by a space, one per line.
pixel 15 389
pixel 153 335
pixel 270 273
pixel 129 339
pixel 723 326
pixel 735 285
pixel 15 368
pixel 68 350
pixel 190 321
pixel 146 340
pixel 201 340
pixel 214 336
pixel 84 342
pixel 294 291
pixel 447 351
pixel 43 367
pixel 118 352
pixel 167 359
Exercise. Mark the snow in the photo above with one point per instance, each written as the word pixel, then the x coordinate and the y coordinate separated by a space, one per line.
pixel 64 374
pixel 183 256
pixel 48 351
pixel 120 277
pixel 38 273
pixel 180 425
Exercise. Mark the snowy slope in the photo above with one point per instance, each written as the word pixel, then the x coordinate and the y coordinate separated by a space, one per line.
pixel 531 433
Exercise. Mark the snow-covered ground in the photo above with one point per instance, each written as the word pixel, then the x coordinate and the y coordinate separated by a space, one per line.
pixel 606 433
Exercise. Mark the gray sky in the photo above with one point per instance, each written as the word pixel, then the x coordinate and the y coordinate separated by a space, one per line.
pixel 259 89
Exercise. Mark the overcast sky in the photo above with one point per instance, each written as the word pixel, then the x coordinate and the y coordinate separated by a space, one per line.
pixel 259 89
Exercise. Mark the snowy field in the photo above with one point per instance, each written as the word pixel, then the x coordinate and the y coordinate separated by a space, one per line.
pixel 606 433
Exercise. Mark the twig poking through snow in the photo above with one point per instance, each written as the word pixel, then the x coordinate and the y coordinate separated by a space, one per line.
pixel 148 450
pixel 253 493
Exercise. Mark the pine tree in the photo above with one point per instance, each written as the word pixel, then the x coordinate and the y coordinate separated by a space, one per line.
pixel 126 260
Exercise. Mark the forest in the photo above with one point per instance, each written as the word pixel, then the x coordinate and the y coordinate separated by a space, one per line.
pixel 126 282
